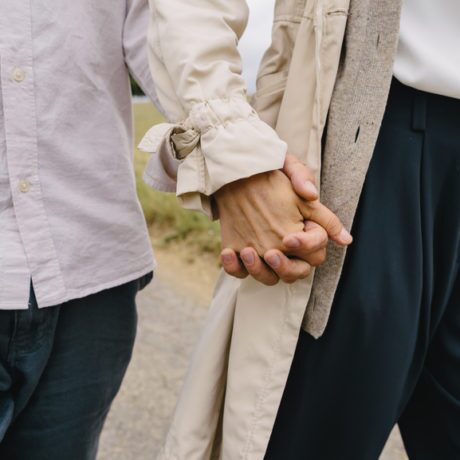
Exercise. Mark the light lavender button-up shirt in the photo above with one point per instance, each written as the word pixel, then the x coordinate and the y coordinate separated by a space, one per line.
pixel 69 216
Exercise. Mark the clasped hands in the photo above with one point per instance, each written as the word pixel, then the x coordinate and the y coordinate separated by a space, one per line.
pixel 274 227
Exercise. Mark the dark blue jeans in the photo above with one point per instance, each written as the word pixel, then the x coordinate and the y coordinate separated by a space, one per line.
pixel 60 369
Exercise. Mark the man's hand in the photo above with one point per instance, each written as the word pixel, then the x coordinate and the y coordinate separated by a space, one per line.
pixel 277 265
pixel 261 217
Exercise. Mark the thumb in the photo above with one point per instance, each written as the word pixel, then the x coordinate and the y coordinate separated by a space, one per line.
pixel 302 179
pixel 320 214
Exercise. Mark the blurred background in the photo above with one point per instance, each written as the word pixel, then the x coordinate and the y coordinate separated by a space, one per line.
pixel 173 307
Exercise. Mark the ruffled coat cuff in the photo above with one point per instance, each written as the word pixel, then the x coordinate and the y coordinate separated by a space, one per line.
pixel 222 141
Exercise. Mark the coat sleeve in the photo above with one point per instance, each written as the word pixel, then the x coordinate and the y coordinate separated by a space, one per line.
pixel 215 136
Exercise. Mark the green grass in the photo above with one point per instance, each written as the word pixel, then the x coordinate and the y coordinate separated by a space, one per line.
pixel 162 210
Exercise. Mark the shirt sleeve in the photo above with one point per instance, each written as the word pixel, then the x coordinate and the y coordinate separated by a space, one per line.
pixel 135 46
pixel 215 136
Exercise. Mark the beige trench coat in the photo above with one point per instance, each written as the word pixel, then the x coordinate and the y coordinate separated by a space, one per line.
pixel 240 366
pixel 245 351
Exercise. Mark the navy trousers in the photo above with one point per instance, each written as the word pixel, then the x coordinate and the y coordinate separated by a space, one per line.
pixel 391 352
pixel 60 369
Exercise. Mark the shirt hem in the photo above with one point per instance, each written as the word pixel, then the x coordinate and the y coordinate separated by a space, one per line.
pixel 81 293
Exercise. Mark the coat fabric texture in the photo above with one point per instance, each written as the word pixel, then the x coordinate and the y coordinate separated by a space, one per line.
pixel 329 60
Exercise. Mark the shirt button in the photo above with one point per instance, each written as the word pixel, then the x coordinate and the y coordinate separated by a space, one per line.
pixel 24 186
pixel 19 75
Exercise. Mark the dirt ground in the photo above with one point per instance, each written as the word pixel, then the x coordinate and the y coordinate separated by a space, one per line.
pixel 171 312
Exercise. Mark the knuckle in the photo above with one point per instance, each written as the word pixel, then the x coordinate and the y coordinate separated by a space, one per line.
pixel 323 237
pixel 292 275
pixel 316 262
pixel 229 270
pixel 272 281
pixel 311 247
pixel 235 273
pixel 315 240
pixel 256 272
pixel 318 258
pixel 290 279
pixel 312 243
pixel 321 259
pixel 307 270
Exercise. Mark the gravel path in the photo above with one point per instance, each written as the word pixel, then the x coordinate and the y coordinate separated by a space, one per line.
pixel 168 326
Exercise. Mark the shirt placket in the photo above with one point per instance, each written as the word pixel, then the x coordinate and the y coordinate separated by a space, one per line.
pixel 20 117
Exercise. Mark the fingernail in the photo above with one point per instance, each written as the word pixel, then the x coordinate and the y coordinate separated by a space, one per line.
pixel 274 261
pixel 311 188
pixel 292 243
pixel 227 258
pixel 248 258
pixel 345 236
